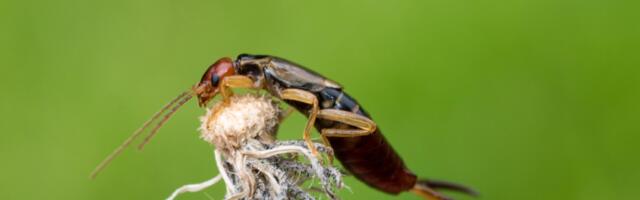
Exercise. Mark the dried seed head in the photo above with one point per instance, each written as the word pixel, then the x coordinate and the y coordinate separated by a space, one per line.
pixel 251 163
pixel 229 125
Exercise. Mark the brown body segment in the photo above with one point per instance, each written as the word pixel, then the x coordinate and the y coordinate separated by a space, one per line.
pixel 370 158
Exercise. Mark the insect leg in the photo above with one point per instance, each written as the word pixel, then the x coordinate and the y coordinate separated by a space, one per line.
pixel 364 125
pixel 235 81
pixel 307 98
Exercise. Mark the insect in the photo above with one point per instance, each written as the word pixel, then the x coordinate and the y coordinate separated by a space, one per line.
pixel 357 141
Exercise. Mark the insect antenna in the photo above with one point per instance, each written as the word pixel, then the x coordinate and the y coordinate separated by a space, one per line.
pixel 164 120
pixel 137 133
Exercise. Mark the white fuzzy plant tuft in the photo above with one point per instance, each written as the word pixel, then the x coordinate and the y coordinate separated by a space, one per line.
pixel 252 164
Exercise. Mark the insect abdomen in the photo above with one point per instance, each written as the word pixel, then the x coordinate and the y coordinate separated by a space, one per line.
pixel 370 158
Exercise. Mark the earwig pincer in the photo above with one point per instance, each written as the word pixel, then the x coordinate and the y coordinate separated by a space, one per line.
pixel 343 124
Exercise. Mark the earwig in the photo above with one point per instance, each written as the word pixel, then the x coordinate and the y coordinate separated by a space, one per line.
pixel 342 122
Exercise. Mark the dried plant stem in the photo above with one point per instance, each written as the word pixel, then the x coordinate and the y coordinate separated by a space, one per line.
pixel 195 187
pixel 260 171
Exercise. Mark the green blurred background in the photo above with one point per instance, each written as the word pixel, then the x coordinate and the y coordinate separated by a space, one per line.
pixel 525 99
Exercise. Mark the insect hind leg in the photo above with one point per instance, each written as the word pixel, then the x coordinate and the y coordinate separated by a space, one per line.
pixel 364 125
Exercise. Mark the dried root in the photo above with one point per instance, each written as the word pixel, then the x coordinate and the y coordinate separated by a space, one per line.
pixel 255 166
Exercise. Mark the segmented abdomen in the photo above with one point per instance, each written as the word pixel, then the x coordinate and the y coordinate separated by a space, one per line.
pixel 370 158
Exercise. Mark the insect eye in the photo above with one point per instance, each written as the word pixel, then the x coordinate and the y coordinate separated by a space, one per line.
pixel 215 79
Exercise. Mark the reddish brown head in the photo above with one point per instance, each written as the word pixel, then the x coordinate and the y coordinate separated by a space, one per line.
pixel 209 84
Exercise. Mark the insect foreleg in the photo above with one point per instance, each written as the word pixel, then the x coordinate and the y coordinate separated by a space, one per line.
pixel 236 81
